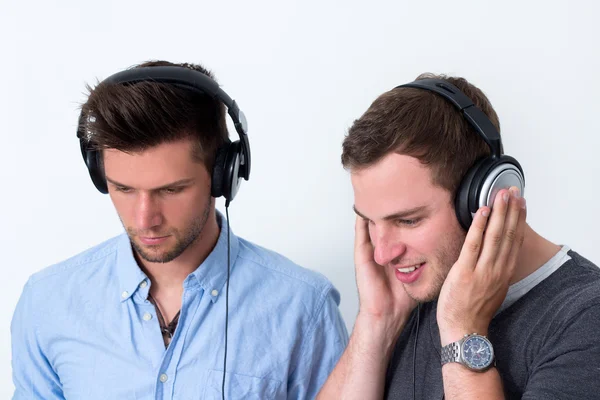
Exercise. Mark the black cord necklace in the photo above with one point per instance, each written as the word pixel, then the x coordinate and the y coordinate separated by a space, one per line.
pixel 167 330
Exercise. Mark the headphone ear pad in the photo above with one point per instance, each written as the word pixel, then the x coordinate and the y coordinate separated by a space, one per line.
pixel 231 171
pixel 93 162
pixel 91 157
pixel 463 194
pixel 97 172
pixel 219 171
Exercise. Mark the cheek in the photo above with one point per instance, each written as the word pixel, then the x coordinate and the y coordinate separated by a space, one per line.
pixel 124 206
pixel 178 210
pixel 423 240
pixel 435 237
pixel 187 207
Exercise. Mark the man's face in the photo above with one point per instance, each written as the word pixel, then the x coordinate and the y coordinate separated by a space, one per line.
pixel 162 197
pixel 412 224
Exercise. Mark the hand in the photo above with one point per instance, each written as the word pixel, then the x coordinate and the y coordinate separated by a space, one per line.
pixel 380 298
pixel 478 282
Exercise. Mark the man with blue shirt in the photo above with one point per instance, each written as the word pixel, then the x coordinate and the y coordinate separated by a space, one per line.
pixel 149 314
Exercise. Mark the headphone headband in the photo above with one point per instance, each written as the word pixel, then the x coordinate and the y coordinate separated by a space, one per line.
pixel 189 79
pixel 488 175
pixel 471 112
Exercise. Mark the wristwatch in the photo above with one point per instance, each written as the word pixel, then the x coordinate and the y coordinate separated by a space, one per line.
pixel 473 351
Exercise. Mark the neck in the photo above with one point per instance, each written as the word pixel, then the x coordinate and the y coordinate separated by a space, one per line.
pixel 534 253
pixel 167 278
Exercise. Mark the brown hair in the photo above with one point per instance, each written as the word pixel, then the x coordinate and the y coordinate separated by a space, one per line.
pixel 421 124
pixel 139 116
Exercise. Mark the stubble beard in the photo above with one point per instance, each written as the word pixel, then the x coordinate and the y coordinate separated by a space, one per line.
pixel 438 269
pixel 182 240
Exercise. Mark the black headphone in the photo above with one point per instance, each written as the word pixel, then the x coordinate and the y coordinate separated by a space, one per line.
pixel 490 174
pixel 232 162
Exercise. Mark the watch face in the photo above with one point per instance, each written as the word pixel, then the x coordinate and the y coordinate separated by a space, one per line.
pixel 477 352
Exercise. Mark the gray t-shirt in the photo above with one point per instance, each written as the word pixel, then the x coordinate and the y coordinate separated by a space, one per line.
pixel 547 340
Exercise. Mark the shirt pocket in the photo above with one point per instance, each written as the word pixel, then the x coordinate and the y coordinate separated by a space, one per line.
pixel 238 386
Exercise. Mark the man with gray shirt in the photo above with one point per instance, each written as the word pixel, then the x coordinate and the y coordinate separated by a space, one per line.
pixel 459 297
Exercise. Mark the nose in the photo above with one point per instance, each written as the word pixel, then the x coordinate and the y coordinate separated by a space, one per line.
pixel 388 245
pixel 147 212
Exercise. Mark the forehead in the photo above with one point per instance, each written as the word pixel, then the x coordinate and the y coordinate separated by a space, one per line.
pixel 154 166
pixel 395 183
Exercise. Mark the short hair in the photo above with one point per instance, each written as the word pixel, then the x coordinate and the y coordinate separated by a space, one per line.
pixel 421 124
pixel 135 117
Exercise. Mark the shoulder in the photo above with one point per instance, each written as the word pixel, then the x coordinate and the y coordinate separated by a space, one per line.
pixel 575 284
pixel 562 301
pixel 77 267
pixel 279 292
pixel 272 274
pixel 281 267
pixel 550 338
pixel 51 293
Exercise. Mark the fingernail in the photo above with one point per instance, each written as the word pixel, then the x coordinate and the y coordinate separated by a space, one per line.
pixel 515 191
pixel 524 203
pixel 485 213
pixel 505 197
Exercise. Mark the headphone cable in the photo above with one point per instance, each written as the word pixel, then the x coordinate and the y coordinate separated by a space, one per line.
pixel 226 300
pixel 415 351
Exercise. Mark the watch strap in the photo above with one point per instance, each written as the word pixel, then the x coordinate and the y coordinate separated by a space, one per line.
pixel 451 353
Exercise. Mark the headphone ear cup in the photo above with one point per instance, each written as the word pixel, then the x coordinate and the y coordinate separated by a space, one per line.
pixel 463 194
pixel 226 177
pixel 219 171
pixel 96 171
pixel 483 182
pixel 502 174
pixel 231 173
pixel 91 157
pixel 94 166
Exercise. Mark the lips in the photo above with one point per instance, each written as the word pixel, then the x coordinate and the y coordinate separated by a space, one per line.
pixel 409 268
pixel 153 240
pixel 409 273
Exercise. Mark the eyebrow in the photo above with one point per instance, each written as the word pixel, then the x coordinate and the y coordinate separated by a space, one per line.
pixel 180 182
pixel 396 215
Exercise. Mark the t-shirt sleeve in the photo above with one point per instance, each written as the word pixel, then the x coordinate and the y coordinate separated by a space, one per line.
pixel 568 365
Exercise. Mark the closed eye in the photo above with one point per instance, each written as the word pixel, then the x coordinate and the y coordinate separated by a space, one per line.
pixel 123 189
pixel 408 222
pixel 172 190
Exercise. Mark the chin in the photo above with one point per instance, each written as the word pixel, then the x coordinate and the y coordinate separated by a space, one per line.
pixel 423 294
pixel 161 258
pixel 154 253
pixel 425 298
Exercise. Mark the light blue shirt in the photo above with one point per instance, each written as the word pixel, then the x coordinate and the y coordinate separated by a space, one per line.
pixel 83 329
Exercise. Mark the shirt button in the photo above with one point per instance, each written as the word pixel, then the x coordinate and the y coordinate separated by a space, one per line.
pixel 147 317
pixel 163 378
pixel 215 292
pixel 124 294
pixel 143 284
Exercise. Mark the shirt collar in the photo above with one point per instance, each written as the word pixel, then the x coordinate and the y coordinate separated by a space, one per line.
pixel 211 275
pixel 128 272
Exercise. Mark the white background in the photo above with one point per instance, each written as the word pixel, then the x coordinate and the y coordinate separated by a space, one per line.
pixel 302 71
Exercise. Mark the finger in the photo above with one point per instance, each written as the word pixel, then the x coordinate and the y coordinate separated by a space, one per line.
pixel 363 247
pixel 511 229
pixel 474 239
pixel 361 231
pixel 516 248
pixel 495 229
